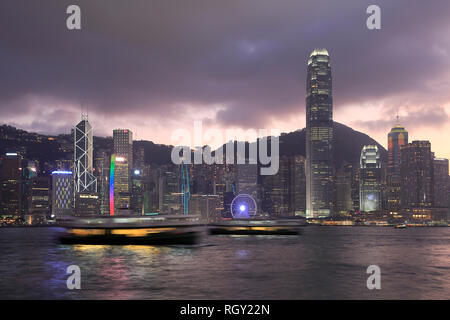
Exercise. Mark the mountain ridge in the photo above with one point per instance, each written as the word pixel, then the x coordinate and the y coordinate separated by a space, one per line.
pixel 347 145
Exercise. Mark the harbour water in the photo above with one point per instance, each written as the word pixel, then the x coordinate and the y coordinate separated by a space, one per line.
pixel 322 263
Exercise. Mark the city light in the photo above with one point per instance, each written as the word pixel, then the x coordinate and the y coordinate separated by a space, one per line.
pixel 111 185
pixel 61 172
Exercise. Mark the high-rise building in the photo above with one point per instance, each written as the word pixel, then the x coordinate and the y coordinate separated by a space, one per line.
pixel 397 138
pixel 61 193
pixel 84 178
pixel 13 185
pixel 123 144
pixel 416 171
pixel 370 179
pixel 276 190
pixel 319 136
pixel 441 183
pixel 102 163
pixel 246 177
pixel 297 185
pixel 123 151
pixel 119 185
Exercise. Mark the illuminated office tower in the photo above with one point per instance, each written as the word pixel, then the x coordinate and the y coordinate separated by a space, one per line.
pixel 397 138
pixel 119 185
pixel 61 193
pixel 123 151
pixel 416 171
pixel 84 179
pixel 319 136
pixel 370 179
pixel 123 145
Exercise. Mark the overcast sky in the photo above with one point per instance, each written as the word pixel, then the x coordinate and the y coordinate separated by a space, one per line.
pixel 155 66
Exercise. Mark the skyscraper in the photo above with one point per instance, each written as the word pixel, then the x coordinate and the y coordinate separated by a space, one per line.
pixel 319 136
pixel 441 183
pixel 13 185
pixel 84 178
pixel 370 179
pixel 416 171
pixel 61 193
pixel 123 144
pixel 123 151
pixel 397 138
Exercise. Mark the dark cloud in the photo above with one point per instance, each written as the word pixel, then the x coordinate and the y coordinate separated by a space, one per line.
pixel 150 58
pixel 434 116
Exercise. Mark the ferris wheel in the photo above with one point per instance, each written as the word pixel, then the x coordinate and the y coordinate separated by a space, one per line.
pixel 243 206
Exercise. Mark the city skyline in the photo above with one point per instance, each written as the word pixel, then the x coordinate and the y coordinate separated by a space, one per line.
pixel 251 78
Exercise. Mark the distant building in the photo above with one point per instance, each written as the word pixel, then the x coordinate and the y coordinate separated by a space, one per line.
pixel 441 183
pixel 297 185
pixel 397 138
pixel 416 171
pixel 343 183
pixel 138 157
pixel 87 204
pixel 170 196
pixel 284 194
pixel 207 206
pixel 319 136
pixel 39 200
pixel 62 193
pixel 137 189
pixel 370 179
pixel 247 179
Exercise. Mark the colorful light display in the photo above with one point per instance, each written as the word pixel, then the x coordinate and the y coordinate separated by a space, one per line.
pixel 111 185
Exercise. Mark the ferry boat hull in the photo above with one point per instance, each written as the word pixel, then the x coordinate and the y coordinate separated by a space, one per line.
pixel 131 231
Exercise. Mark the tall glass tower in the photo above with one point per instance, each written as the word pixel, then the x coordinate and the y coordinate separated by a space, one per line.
pixel 319 136
pixel 370 179
pixel 84 179
pixel 397 138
